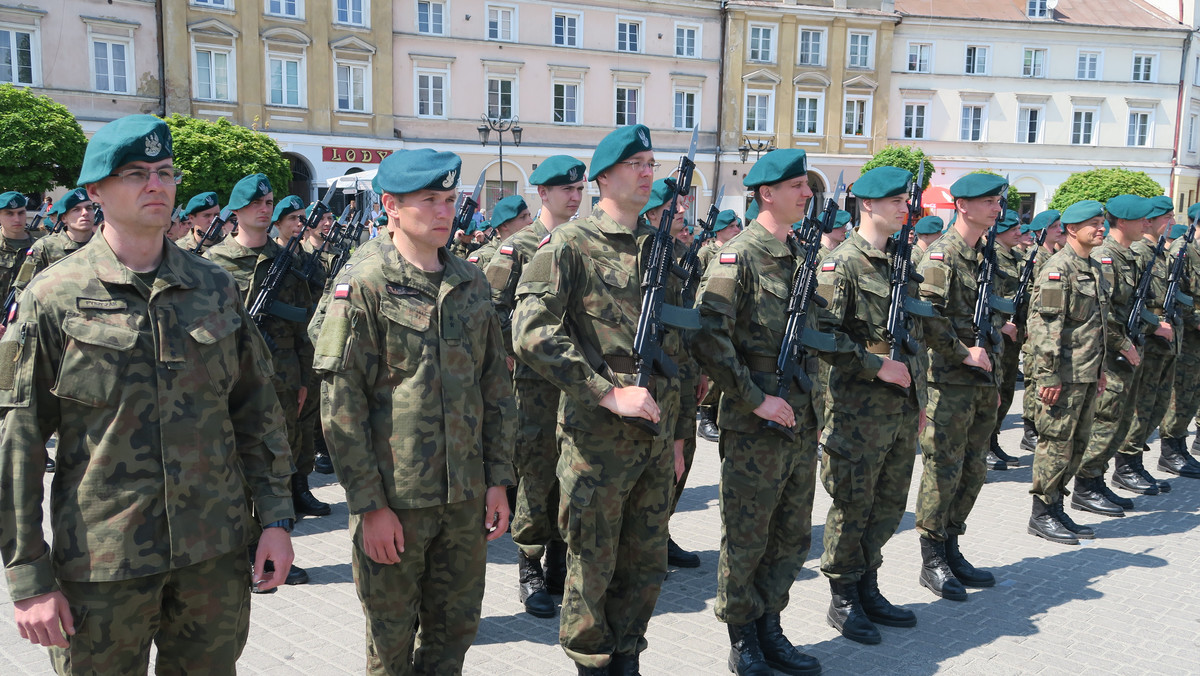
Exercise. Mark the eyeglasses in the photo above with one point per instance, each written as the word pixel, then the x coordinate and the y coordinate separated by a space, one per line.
pixel 140 177
pixel 640 166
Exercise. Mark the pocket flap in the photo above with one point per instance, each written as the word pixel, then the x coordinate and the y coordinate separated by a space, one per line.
pixel 103 335
pixel 212 328
pixel 411 313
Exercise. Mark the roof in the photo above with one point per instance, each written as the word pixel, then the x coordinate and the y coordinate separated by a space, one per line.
pixel 1115 13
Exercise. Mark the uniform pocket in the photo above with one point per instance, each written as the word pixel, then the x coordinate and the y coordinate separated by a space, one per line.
pixel 772 311
pixel 404 340
pixel 93 361
pixel 1084 303
pixel 217 354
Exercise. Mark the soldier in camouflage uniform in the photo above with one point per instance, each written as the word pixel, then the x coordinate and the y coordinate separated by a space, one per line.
pixel 509 216
pixel 15 241
pixel 129 349
pixel 311 440
pixel 1185 391
pixel 1054 240
pixel 927 231
pixel 1009 260
pixel 829 242
pixel 199 213
pixel 767 482
pixel 727 226
pixel 578 302
pixel 75 209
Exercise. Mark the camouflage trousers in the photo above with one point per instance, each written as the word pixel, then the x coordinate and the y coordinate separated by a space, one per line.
pixel 439 580
pixel 687 413
pixel 866 468
pixel 1064 431
pixel 1185 390
pixel 1158 372
pixel 613 510
pixel 535 459
pixel 304 454
pixel 1006 374
pixel 198 617
pixel 1114 415
pixel 954 453
pixel 819 394
pixel 1029 398
pixel 289 401
pixel 767 487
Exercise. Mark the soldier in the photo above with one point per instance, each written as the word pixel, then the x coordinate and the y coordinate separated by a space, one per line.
pixel 1009 261
pixel 832 239
pixel 419 415
pixel 463 242
pixel 870 438
pixel 76 210
pixel 727 226
pixel 829 242
pixel 1068 310
pixel 1185 390
pixel 199 213
pixel 312 442
pixel 129 349
pixel 767 483
pixel 927 230
pixel 560 184
pixel 16 240
pixel 963 395
pixel 577 305
pixel 510 215
pixel 1054 239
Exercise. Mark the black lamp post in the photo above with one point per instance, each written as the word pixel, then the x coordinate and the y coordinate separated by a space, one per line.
pixel 758 146
pixel 499 126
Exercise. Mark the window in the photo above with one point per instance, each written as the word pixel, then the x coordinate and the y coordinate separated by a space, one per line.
pixel 566 102
pixel 809 110
pixel 284 81
pixel 762 43
pixel 1143 68
pixel 566 29
pixel 110 67
pixel 972 124
pixel 629 36
pixel 810 48
pixel 350 12
pixel 224 4
pixel 352 86
pixel 685 42
pixel 1193 121
pixel 857 116
pixel 1196 73
pixel 860 50
pixel 914 121
pixel 1088 66
pixel 500 98
pixel 430 18
pixel 1035 63
pixel 759 106
pixel 628 100
pixel 1029 124
pixel 500 23
pixel 1083 127
pixel 290 8
pixel 977 60
pixel 1139 128
pixel 685 109
pixel 212 75
pixel 16 57
pixel 1037 9
pixel 431 94
pixel 919 56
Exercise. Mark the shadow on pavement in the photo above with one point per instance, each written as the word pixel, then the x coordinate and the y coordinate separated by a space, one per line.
pixel 332 574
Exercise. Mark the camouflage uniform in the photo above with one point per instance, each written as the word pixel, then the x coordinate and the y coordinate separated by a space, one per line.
pixel 12 255
pixel 1158 356
pixel 367 248
pixel 1185 392
pixel 147 514
pixel 417 405
pixel 47 250
pixel 483 255
pixel 188 241
pixel 1010 262
pixel 578 302
pixel 310 414
pixel 1029 397
pixel 820 388
pixel 767 483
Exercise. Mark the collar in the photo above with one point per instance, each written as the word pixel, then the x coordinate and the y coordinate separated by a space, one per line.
pixel 175 269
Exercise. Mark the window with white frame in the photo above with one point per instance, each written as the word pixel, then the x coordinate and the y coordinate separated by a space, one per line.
pixel 500 97
pixel 1029 124
pixel 1193 122
pixel 1143 68
pixel 810 50
pixel 431 93
pixel 1035 63
pixel 1037 9
pixel 111 64
pixel 213 77
pixel 284 80
pixel 685 41
pixel 288 8
pixel 1139 128
pixel 860 50
pixel 500 23
pixel 915 121
pixel 566 102
pixel 1083 127
pixel 18 56
pixel 1196 73
pixel 629 101
pixel 1088 66
pixel 685 109
pixel 629 35
pixel 353 86
pixel 972 123
pixel 920 56
pixel 976 61
pixel 857 116
pixel 566 29
pixel 760 106
pixel 431 17
pixel 351 12
pixel 810 111
pixel 762 43
pixel 223 4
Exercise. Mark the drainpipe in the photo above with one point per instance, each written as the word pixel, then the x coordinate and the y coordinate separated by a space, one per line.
pixel 720 93
pixel 1187 43
pixel 162 69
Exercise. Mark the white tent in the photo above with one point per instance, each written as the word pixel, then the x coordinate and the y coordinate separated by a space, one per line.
pixel 352 182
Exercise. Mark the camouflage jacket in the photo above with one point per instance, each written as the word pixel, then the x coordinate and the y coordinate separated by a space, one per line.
pixel 416 402
pixel 367 248
pixel 189 239
pixel 45 251
pixel 13 253
pixel 578 304
pixel 1067 313
pixel 1008 280
pixel 1189 283
pixel 1039 262
pixel 292 352
pixel 1121 271
pixel 460 249
pixel 483 255
pixel 127 376
pixel 316 283
pixel 503 273
pixel 1144 250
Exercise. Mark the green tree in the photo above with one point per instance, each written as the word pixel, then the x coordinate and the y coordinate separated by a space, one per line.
pixel 1014 197
pixel 41 143
pixel 1103 184
pixel 216 155
pixel 905 157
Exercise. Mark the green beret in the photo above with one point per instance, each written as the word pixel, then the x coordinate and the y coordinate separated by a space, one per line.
pixel 1081 211
pixel 1178 230
pixel 1128 207
pixel 381 219
pixel 978 185
pixel 133 138
pixel 507 209
pixel 69 201
pixel 1042 221
pixel 659 194
pixel 777 165
pixel 752 211
pixel 1194 211
pixel 620 144
pixel 205 200
pixel 930 225
pixel 1010 221
pixel 882 182
pixel 249 189
pixel 406 171
pixel 1160 206
pixel 843 218
pixel 558 170
pixel 13 200
pixel 724 219
pixel 287 205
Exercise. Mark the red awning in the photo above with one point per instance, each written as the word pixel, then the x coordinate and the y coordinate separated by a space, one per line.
pixel 937 197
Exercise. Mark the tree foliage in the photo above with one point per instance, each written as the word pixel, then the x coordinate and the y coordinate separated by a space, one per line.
pixel 1103 184
pixel 905 157
pixel 41 143
pixel 1014 197
pixel 216 155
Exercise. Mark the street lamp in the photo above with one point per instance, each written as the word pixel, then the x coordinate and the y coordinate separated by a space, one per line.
pixel 758 146
pixel 499 126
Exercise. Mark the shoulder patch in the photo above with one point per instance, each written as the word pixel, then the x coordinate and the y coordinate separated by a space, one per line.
pixel 472 259
pixel 506 250
pixel 1106 260
pixel 12 314
pixel 341 291
pixel 544 241
pixel 829 266
pixel 937 256
pixel 1053 277
pixel 728 258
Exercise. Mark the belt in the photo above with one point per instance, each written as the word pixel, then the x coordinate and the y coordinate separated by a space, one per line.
pixel 761 363
pixel 880 347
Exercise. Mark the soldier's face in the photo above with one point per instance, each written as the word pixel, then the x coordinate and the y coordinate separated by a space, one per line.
pixel 1010 237
pixel 1156 226
pixel 257 214
pixel 893 211
pixel 13 222
pixel 289 225
pixel 788 200
pixel 128 202
pixel 1090 233
pixel 423 217
pixel 562 200
pixel 630 180
pixel 1055 237
pixel 325 224
pixel 729 232
pixel 978 212
pixel 80 218
pixel 202 219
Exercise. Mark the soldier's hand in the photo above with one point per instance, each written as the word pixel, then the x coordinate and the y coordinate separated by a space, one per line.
pixel 702 385
pixel 776 410
pixel 922 421
pixel 383 536
pixel 1164 331
pixel 1050 394
pixel 1102 384
pixel 510 363
pixel 1009 329
pixel 978 357
pixel 1131 355
pixel 495 519
pixel 894 372
pixel 633 401
pixel 275 545
pixel 43 619
pixel 680 462
pixel 303 396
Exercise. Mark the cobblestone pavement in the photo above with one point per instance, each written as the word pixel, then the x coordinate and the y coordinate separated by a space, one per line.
pixel 1125 603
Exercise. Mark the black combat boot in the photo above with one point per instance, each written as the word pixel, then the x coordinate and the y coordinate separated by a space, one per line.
pixel 999 452
pixel 745 654
pixel 935 572
pixel 556 566
pixel 1044 524
pixel 779 652
pixel 880 610
pixel 1163 486
pixel 50 466
pixel 591 671
pixel 533 587
pixel 1030 438
pixel 322 463
pixel 1060 513
pixel 624 665
pixel 679 558
pixel 1089 497
pixel 1127 476
pixel 1173 459
pixel 994 461
pixel 303 501
pixel 707 429
pixel 1196 445
pixel 846 614
pixel 967 574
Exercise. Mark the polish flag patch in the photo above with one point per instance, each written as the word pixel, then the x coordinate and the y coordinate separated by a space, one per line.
pixel 829 267
pixel 1106 260
pixel 341 291
pixel 937 256
pixel 543 242
pixel 12 313
pixel 506 250
pixel 729 258
pixel 1054 276
pixel 472 259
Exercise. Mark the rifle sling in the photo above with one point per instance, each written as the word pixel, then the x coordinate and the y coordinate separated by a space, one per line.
pixel 918 307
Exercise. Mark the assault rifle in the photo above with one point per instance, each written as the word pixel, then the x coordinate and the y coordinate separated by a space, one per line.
pixel 691 258
pixel 1025 281
pixel 901 306
pixel 314 261
pixel 214 229
pixel 467 206
pixel 1138 312
pixel 988 336
pixel 343 241
pixel 1174 295
pixel 37 219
